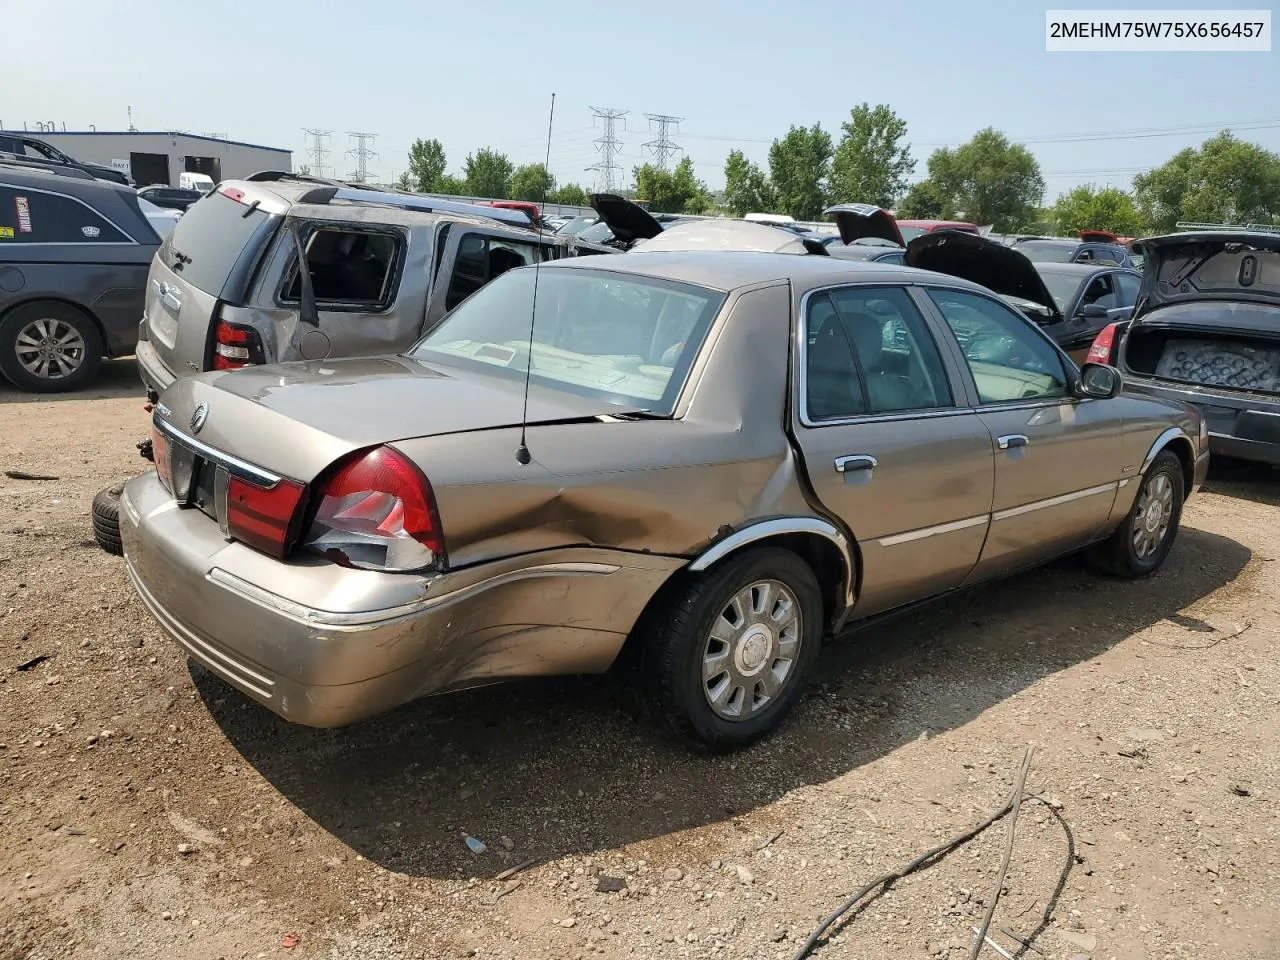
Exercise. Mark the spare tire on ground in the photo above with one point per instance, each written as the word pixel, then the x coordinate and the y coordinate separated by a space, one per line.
pixel 106 519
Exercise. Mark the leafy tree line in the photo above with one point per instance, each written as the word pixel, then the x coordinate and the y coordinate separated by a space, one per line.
pixel 987 180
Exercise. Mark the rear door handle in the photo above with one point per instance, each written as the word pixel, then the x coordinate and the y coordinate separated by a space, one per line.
pixel 1011 440
pixel 855 462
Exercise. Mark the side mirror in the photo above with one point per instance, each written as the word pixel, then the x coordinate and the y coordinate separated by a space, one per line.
pixel 1093 311
pixel 1100 381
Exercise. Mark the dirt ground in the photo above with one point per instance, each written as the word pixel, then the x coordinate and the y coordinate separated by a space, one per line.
pixel 148 811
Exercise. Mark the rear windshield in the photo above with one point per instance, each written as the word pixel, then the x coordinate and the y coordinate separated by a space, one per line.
pixel 1046 252
pixel 209 239
pixel 625 339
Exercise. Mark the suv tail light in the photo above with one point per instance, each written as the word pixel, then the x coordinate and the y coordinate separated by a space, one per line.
pixel 1103 345
pixel 235 346
pixel 261 517
pixel 377 512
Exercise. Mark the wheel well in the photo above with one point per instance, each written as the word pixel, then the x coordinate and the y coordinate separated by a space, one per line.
pixel 78 307
pixel 1181 448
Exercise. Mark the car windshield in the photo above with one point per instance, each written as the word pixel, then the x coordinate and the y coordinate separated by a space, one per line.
pixel 625 339
pixel 1046 251
pixel 910 233
pixel 598 232
pixel 1062 286
pixel 576 226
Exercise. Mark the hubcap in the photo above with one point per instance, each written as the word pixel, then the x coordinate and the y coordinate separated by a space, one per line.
pixel 50 349
pixel 1155 510
pixel 751 649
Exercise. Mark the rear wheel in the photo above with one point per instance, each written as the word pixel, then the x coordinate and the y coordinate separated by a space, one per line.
pixel 1139 546
pixel 49 347
pixel 729 655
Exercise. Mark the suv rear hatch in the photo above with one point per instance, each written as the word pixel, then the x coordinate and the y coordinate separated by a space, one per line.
pixel 1209 313
pixel 206 263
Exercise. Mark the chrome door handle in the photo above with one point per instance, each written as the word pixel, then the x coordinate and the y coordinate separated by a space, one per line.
pixel 1011 440
pixel 856 462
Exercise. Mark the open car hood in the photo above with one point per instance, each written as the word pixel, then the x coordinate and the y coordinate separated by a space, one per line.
pixel 986 262
pixel 1221 265
pixel 629 221
pixel 857 221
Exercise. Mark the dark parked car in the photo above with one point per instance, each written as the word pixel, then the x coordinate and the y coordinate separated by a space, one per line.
pixel 25 147
pixel 1208 333
pixel 1072 302
pixel 624 222
pixel 1050 250
pixel 74 254
pixel 174 198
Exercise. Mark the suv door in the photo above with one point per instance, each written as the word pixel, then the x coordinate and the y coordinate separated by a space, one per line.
pixel 1057 456
pixel 470 257
pixel 887 447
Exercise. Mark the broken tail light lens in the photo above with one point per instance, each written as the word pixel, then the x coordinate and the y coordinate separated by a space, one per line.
pixel 262 516
pixel 235 346
pixel 377 511
pixel 1103 344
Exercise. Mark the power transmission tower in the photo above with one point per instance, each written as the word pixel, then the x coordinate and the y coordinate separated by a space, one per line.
pixel 608 146
pixel 316 149
pixel 663 147
pixel 362 155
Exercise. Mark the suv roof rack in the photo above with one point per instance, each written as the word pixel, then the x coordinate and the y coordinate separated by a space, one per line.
pixel 45 166
pixel 273 176
pixel 412 201
pixel 1184 225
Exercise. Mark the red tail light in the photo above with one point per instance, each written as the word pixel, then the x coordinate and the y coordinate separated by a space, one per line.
pixel 377 512
pixel 235 346
pixel 260 517
pixel 1103 344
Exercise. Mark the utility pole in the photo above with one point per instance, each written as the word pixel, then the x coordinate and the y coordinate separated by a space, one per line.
pixel 663 147
pixel 316 149
pixel 608 146
pixel 362 155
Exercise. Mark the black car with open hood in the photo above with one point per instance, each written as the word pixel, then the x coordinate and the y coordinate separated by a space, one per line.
pixel 627 220
pixel 861 221
pixel 1207 331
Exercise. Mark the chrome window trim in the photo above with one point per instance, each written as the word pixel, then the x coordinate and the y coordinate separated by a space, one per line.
pixel 131 242
pixel 909 536
pixel 801 343
pixel 1054 501
pixel 237 467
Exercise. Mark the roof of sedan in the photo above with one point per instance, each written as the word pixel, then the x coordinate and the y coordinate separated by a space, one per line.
pixel 729 269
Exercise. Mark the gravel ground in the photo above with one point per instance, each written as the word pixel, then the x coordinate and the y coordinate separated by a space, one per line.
pixel 148 811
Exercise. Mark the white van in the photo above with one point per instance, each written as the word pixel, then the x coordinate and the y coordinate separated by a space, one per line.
pixel 195 181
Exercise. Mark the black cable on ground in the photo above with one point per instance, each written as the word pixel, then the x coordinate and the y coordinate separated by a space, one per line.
pixel 923 860
pixel 1015 804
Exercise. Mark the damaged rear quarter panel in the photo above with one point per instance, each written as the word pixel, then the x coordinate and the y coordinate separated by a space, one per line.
pixel 663 486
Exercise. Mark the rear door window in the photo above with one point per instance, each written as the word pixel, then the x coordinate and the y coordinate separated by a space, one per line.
pixel 354 268
pixel 1129 287
pixel 209 240
pixel 34 216
pixel 480 258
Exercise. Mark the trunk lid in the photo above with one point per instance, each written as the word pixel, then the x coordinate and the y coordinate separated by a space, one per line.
pixel 857 221
pixel 1217 265
pixel 989 263
pixel 628 221
pixel 207 259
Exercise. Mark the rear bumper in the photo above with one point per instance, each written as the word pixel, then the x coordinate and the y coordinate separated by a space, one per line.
pixel 325 646
pixel 155 375
pixel 1239 426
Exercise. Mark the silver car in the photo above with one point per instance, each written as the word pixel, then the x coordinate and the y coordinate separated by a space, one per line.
pixel 711 461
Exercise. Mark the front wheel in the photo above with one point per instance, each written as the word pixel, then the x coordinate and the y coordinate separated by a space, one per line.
pixel 49 347
pixel 1141 543
pixel 729 656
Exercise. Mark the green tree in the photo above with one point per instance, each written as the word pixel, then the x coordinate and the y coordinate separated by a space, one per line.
pixel 426 165
pixel 799 167
pixel 451 186
pixel 1090 208
pixel 871 164
pixel 1225 181
pixel 532 182
pixel 405 182
pixel 488 174
pixel 989 181
pixel 571 195
pixel 746 187
pixel 924 201
pixel 671 191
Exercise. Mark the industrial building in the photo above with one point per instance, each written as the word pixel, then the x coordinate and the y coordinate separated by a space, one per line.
pixel 159 157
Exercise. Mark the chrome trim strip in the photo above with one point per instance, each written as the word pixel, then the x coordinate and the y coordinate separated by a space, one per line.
pixel 369 618
pixel 231 670
pixel 925 532
pixel 1123 483
pixel 242 468
pixel 1162 441
pixel 1054 501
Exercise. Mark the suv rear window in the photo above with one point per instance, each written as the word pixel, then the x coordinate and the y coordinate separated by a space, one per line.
pixel 209 240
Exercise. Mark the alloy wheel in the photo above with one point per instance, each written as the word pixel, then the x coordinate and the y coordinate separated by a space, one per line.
pixel 1154 513
pixel 50 349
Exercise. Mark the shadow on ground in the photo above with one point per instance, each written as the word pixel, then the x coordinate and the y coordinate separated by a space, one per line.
pixel 1244 480
pixel 571 767
pixel 115 379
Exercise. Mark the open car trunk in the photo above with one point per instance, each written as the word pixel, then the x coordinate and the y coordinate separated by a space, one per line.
pixel 1220 345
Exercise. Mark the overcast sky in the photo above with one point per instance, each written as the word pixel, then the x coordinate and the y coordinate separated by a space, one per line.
pixel 738 73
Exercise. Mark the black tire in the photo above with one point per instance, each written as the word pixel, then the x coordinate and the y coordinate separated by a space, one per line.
pixel 1119 555
pixel 106 519
pixel 60 316
pixel 677 637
